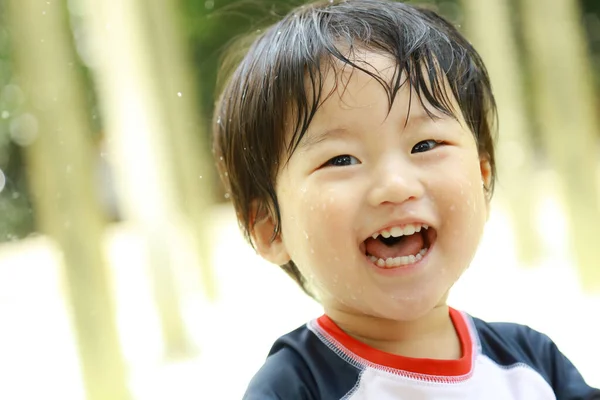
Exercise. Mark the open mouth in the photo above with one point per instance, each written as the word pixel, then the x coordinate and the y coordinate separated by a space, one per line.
pixel 400 246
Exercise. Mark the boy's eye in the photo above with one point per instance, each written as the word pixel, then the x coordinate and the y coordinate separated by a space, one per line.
pixel 424 146
pixel 342 161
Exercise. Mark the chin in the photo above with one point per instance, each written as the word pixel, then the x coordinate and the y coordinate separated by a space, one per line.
pixel 399 308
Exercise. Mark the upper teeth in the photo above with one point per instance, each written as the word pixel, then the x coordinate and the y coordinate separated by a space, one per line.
pixel 398 231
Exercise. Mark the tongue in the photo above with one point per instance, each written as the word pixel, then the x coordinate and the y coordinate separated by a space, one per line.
pixel 408 245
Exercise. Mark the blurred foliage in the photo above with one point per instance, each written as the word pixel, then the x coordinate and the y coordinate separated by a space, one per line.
pixel 591 21
pixel 209 26
pixel 16 214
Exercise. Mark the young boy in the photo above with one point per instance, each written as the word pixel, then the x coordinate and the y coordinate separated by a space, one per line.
pixel 356 140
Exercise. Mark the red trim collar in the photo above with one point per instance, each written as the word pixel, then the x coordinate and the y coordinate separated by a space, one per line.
pixel 425 366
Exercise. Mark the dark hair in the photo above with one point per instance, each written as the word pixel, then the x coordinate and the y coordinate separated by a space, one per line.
pixel 278 87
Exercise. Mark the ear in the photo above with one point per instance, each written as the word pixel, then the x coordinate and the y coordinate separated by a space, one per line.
pixel 486 172
pixel 486 180
pixel 267 244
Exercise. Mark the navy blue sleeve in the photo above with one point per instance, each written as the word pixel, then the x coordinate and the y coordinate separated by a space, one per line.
pixel 301 367
pixel 508 344
pixel 567 382
pixel 283 376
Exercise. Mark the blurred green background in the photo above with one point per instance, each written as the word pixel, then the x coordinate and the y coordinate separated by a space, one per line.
pixel 116 237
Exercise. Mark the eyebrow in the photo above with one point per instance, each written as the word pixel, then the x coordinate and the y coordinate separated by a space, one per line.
pixel 311 140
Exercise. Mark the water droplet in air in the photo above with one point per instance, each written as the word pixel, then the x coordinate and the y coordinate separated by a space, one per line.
pixel 227 195
pixel 5 114
pixel 179 94
pixel 200 176
pixel 24 129
pixel 2 181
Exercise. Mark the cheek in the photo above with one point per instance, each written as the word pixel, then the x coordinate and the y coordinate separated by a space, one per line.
pixel 320 233
pixel 461 198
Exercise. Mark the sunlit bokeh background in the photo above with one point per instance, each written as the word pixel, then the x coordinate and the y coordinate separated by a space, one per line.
pixel 123 274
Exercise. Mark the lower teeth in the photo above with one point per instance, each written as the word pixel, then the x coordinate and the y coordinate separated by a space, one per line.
pixel 398 261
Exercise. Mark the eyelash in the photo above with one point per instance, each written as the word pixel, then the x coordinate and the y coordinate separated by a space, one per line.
pixel 335 161
pixel 430 141
pixel 332 162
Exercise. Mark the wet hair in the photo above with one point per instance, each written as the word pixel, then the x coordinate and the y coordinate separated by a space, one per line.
pixel 270 99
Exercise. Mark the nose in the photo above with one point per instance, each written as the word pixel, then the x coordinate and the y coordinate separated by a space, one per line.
pixel 395 180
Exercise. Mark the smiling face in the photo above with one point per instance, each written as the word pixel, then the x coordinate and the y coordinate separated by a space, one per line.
pixel 363 172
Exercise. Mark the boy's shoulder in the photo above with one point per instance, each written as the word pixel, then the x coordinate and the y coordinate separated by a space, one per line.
pixel 302 366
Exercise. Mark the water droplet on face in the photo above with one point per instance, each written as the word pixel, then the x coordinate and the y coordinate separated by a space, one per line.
pixel 452 207
pixel 312 251
pixel 306 235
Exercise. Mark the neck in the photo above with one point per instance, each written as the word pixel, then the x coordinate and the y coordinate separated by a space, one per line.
pixel 431 336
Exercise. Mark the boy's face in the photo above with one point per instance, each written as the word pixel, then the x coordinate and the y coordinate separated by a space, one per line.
pixel 360 171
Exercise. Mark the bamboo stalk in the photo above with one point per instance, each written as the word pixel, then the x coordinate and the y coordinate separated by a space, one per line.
pixel 137 125
pixel 565 101
pixel 488 25
pixel 60 166
pixel 188 142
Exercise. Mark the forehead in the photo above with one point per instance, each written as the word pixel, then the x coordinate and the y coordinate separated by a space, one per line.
pixel 374 76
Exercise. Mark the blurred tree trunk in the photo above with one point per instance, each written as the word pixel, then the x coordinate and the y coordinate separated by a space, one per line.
pixel 60 163
pixel 192 160
pixel 563 85
pixel 489 27
pixel 137 125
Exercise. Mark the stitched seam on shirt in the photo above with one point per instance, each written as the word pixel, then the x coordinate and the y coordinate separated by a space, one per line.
pixel 361 363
